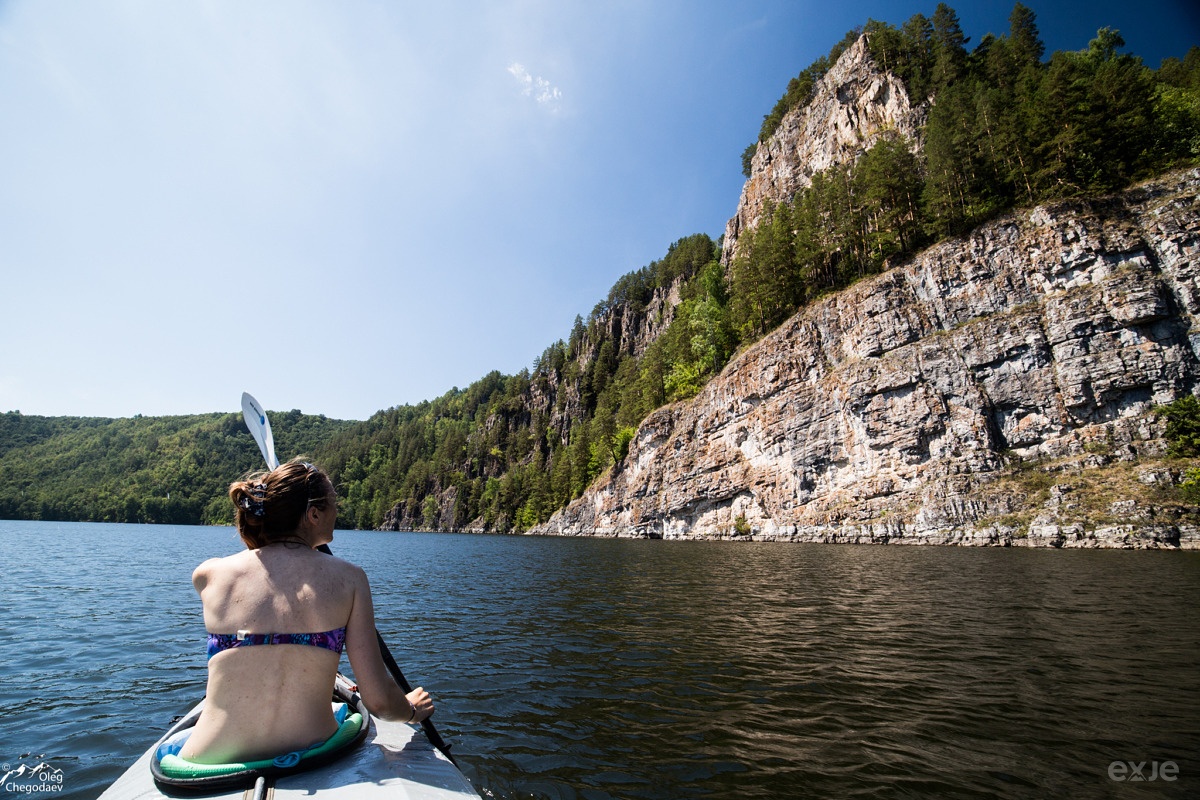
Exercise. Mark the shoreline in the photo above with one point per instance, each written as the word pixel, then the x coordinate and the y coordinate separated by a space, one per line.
pixel 1046 536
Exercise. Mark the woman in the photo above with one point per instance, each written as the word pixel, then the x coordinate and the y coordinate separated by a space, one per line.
pixel 305 605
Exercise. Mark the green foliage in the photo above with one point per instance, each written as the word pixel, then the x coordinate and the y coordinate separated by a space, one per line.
pixel 1094 114
pixel 1189 487
pixel 430 512
pixel 173 470
pixel 621 440
pixel 888 181
pixel 1177 111
pixel 1007 128
pixel 949 47
pixel 767 288
pixel 1183 74
pixel 748 158
pixel 1183 426
pixel 697 343
pixel 851 222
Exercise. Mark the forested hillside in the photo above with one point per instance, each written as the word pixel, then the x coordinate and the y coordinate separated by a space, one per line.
pixel 507 451
pixel 1007 127
pixel 145 469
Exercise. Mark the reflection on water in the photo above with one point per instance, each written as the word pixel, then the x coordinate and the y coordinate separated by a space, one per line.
pixel 581 668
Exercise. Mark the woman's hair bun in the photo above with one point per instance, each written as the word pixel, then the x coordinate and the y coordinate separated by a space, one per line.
pixel 269 505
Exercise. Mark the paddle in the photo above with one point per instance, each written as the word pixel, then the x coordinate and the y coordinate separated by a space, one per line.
pixel 260 429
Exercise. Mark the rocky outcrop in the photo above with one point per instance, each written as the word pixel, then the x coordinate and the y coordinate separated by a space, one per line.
pixel 851 107
pixel 405 516
pixel 900 409
pixel 630 328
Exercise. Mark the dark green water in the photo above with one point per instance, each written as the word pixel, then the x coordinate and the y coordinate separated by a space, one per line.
pixel 580 668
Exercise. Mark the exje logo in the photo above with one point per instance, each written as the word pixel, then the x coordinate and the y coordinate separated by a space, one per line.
pixel 1134 771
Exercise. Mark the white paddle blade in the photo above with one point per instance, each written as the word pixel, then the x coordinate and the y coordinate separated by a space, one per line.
pixel 260 428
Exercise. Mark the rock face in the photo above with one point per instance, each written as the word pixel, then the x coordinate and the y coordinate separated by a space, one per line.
pixel 630 330
pixel 894 410
pixel 851 106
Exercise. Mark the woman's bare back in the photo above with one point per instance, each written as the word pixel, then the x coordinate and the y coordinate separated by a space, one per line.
pixel 263 701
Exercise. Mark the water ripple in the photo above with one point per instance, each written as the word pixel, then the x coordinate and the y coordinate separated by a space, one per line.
pixel 601 669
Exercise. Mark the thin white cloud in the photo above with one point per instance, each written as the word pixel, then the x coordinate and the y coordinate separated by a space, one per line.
pixel 538 88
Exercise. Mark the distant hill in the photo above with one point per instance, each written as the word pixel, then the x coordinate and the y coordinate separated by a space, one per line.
pixel 146 469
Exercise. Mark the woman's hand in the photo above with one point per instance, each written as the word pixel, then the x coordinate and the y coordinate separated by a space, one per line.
pixel 422 705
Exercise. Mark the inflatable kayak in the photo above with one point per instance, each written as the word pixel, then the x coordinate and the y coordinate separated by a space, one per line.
pixel 365 758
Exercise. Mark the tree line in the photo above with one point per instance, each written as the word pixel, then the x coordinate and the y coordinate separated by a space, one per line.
pixel 171 470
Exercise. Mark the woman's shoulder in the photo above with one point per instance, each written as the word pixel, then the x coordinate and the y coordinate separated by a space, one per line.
pixel 209 568
pixel 347 569
pixel 318 567
pixel 231 561
pixel 247 563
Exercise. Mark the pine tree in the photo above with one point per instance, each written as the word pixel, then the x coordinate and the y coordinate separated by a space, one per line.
pixel 917 72
pixel 1177 108
pixel 1025 43
pixel 1094 117
pixel 950 53
pixel 888 181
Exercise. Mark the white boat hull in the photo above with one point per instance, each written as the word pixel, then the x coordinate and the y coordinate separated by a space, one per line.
pixel 395 762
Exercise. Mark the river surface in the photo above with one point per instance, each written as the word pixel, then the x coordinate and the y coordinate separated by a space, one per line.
pixel 597 668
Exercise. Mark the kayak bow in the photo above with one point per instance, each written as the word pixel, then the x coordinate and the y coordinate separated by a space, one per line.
pixel 393 761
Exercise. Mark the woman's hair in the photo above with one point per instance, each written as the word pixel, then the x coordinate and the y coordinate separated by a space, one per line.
pixel 269 505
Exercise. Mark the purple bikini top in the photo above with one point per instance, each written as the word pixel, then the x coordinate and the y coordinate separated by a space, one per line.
pixel 333 640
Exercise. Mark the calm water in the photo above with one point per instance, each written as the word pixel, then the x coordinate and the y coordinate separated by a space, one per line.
pixel 579 668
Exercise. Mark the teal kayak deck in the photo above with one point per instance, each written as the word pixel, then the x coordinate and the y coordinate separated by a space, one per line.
pixel 395 762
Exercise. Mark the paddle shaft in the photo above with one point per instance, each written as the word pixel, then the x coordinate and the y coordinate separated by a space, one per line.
pixel 431 732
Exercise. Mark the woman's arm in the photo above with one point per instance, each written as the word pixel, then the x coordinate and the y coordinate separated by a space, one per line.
pixel 382 695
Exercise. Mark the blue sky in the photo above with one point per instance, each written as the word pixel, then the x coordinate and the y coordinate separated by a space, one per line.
pixel 343 207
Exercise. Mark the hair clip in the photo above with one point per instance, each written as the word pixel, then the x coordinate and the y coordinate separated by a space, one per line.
pixel 254 506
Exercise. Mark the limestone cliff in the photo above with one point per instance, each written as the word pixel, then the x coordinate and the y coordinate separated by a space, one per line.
pixel 903 408
pixel 851 107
